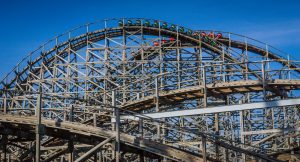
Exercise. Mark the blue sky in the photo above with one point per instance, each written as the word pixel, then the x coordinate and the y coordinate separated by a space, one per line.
pixel 25 24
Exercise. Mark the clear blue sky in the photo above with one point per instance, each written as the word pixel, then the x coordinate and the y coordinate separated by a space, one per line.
pixel 25 24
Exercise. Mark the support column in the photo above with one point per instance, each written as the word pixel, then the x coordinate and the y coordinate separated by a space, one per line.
pixel 263 79
pixel 71 150
pixel 65 114
pixel 156 95
pixel 95 120
pixel 217 134
pixel 141 155
pixel 258 160
pixel 117 127
pixel 38 127
pixel 4 141
pixel 241 132
pixel 157 105
pixel 141 131
pixel 204 148
pixel 118 156
pixel 70 142
pixel 4 105
pixel 226 155
pixel 204 105
pixel 95 157
pixel 71 115
pixel 101 156
pixel 204 87
pixel 5 160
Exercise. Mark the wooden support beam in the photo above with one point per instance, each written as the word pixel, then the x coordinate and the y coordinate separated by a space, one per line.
pixel 92 151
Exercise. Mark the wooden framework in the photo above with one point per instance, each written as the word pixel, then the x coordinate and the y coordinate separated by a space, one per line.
pixel 81 79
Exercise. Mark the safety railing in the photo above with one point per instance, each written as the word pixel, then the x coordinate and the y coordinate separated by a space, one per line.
pixel 263 71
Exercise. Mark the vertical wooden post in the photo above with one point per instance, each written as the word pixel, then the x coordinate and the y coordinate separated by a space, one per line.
pixel 204 148
pixel 4 139
pixel 38 127
pixel 4 105
pixel 71 117
pixel 100 156
pixel 8 158
pixel 204 87
pixel 263 79
pixel 217 134
pixel 65 115
pixel 156 95
pixel 95 157
pixel 241 132
pixel 141 127
pixel 226 155
pixel 157 105
pixel 141 156
pixel 71 149
pixel 117 135
pixel 95 120
pixel 70 143
pixel 117 127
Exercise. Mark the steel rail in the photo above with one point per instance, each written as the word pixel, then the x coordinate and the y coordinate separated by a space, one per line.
pixel 218 109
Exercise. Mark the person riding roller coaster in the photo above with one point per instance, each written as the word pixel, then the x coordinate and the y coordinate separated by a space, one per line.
pixel 211 38
pixel 164 41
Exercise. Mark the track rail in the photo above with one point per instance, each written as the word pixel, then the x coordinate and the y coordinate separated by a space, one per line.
pixel 59 130
pixel 220 109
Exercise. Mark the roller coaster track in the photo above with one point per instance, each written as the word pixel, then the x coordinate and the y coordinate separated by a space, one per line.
pixel 79 81
pixel 93 134
pixel 80 41
pixel 25 126
pixel 216 89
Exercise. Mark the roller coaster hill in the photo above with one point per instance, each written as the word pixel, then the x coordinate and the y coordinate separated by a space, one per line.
pixel 147 90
